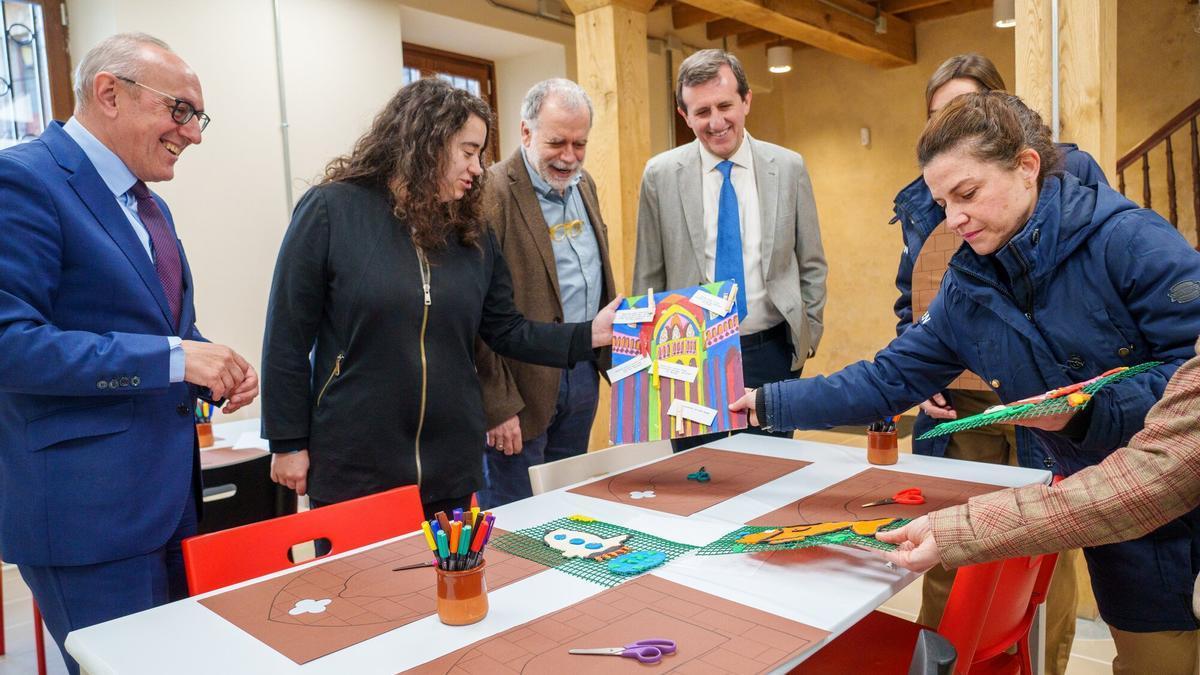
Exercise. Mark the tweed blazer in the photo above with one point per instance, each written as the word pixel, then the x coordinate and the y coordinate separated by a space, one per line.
pixel 512 210
pixel 671 236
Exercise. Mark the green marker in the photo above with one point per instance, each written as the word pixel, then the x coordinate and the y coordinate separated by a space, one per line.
pixel 443 548
pixel 464 546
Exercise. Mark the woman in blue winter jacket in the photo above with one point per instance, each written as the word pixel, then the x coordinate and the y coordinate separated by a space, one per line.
pixel 1056 282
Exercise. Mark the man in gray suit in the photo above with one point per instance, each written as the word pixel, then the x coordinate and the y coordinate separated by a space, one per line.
pixel 731 206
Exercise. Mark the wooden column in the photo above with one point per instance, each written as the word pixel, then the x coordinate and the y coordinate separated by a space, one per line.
pixel 1087 68
pixel 610 48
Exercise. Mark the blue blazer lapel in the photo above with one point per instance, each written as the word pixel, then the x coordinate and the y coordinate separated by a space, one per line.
pixel 98 199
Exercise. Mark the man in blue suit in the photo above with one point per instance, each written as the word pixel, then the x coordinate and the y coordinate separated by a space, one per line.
pixel 100 358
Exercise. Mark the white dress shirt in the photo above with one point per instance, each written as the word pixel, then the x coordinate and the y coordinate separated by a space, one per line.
pixel 761 313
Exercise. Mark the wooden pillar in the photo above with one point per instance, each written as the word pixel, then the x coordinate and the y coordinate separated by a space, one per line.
pixel 610 49
pixel 1087 69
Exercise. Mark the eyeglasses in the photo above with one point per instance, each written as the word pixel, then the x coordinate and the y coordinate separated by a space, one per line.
pixel 182 112
pixel 570 229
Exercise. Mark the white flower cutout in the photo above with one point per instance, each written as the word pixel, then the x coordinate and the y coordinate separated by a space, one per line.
pixel 646 494
pixel 309 607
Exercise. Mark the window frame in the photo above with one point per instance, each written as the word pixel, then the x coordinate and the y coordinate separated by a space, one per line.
pixel 430 61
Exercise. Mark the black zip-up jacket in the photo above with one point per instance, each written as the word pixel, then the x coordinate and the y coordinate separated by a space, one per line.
pixel 378 384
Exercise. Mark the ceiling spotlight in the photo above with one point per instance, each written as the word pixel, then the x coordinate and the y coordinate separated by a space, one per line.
pixel 1004 13
pixel 779 59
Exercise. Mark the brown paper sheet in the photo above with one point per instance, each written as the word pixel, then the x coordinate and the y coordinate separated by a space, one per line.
pixel 844 500
pixel 731 474
pixel 367 598
pixel 713 636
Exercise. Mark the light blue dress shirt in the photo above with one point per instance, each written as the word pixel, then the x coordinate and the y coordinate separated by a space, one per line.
pixel 577 258
pixel 119 180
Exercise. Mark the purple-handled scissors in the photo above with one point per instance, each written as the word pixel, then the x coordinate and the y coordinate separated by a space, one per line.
pixel 646 651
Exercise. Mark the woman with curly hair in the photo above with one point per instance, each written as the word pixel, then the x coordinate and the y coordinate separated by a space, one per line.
pixel 385 278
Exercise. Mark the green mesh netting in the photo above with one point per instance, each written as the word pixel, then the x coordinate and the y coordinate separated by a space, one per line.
pixel 1053 406
pixel 728 543
pixel 528 544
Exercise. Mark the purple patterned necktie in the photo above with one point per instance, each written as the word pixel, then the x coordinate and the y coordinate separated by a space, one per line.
pixel 166 253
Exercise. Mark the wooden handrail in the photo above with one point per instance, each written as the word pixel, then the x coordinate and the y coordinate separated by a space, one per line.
pixel 1175 124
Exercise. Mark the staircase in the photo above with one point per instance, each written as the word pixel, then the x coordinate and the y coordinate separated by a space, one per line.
pixel 1142 153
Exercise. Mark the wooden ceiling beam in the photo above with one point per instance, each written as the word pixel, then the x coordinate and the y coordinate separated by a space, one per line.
pixel 756 37
pixel 943 10
pixel 683 16
pixel 901 6
pixel 715 30
pixel 814 23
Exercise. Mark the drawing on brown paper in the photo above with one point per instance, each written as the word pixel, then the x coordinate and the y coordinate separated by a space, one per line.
pixel 729 474
pixel 844 500
pixel 320 610
pixel 711 634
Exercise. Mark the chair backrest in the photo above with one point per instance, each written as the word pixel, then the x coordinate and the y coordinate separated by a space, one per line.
pixel 553 475
pixel 992 605
pixel 226 557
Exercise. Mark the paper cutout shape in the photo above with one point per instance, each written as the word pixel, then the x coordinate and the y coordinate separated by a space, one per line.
pixel 794 533
pixel 530 543
pixel 644 494
pixel 309 606
pixel 683 333
pixel 712 634
pixel 581 518
pixel 577 544
pixel 636 562
pixel 700 476
pixel 732 474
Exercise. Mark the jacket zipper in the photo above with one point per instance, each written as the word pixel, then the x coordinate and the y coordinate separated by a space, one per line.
pixel 426 277
pixel 337 371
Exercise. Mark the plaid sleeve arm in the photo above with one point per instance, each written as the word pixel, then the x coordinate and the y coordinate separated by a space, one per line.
pixel 1138 488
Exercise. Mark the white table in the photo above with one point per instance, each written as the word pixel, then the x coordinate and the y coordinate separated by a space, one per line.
pixel 833 591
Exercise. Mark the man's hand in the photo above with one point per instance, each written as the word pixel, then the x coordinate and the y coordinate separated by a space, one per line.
pixel 938 408
pixel 602 324
pixel 917 550
pixel 290 469
pixel 747 404
pixel 217 367
pixel 506 436
pixel 244 394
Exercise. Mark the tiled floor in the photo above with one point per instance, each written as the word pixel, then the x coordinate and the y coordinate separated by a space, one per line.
pixel 1091 654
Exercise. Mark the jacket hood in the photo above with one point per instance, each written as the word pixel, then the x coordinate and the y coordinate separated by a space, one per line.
pixel 1067 215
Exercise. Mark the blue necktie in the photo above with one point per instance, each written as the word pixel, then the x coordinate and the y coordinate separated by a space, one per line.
pixel 729 239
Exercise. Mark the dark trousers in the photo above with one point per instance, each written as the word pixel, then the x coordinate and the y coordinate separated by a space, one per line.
pixel 78 596
pixel 766 357
pixel 507 476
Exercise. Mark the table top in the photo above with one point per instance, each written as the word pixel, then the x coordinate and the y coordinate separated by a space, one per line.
pixel 835 587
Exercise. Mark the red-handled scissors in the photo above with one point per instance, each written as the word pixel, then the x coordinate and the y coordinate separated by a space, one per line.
pixel 646 651
pixel 906 496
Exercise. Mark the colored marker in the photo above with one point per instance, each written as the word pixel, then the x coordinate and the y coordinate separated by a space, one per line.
pixel 455 535
pixel 475 518
pixel 464 544
pixel 443 521
pixel 443 549
pixel 477 545
pixel 458 515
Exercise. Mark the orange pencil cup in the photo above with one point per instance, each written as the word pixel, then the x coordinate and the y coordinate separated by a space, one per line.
pixel 462 596
pixel 204 433
pixel 882 448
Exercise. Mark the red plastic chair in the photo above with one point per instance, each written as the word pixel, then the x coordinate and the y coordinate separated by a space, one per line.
pixel 990 609
pixel 222 558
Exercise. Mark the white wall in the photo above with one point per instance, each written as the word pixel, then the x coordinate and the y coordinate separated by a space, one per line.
pixel 342 59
